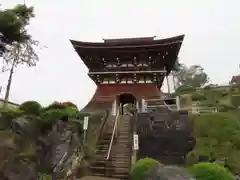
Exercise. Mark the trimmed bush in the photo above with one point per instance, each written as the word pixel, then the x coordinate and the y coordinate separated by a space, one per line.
pixel 31 107
pixel 210 171
pixel 140 169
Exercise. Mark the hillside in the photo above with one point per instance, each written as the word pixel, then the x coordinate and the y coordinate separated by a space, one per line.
pixel 217 133
pixel 30 141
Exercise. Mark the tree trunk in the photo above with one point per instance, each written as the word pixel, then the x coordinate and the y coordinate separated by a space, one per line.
pixel 10 77
pixel 9 85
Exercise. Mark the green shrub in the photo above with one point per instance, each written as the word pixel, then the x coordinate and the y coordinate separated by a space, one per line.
pixel 71 112
pixel 235 100
pixel 185 89
pixel 70 104
pixel 210 171
pixel 31 107
pixel 6 117
pixel 129 108
pixel 192 158
pixel 198 97
pixel 55 105
pixel 141 167
pixel 215 142
pixel 52 115
pixel 224 93
pixel 225 107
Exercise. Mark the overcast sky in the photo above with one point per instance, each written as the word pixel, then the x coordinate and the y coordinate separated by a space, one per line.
pixel 212 30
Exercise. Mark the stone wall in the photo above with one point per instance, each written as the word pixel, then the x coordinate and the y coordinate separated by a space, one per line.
pixel 168 135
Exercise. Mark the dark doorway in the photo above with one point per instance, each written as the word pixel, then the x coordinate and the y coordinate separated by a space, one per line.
pixel 126 99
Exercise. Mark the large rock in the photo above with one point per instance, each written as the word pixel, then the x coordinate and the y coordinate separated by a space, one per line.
pixel 58 148
pixel 161 172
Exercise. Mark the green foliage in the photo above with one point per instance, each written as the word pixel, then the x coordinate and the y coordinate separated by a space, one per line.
pixel 13 23
pixel 55 105
pixel 72 112
pixel 197 96
pixel 129 108
pixel 224 93
pixel 31 107
pixel 7 115
pixel 50 116
pixel 235 100
pixel 42 176
pixel 225 107
pixel 70 104
pixel 213 133
pixel 10 26
pixel 190 77
pixel 210 171
pixel 185 89
pixel 141 167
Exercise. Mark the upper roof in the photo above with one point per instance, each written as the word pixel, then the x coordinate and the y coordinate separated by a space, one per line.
pixel 128 42
pixel 95 54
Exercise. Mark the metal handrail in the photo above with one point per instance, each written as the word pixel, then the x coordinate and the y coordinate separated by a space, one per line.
pixel 160 99
pixel 113 134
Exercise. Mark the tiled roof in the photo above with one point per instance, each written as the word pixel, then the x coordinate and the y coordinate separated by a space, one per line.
pixel 235 80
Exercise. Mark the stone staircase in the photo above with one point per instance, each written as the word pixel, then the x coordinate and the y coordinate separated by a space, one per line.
pixel 119 163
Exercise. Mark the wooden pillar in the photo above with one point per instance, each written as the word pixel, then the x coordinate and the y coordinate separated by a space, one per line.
pixel 114 108
pixel 137 106
pixel 144 108
pixel 178 103
pixel 168 84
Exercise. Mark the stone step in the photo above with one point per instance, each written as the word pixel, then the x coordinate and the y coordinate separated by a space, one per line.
pixel 119 169
pixel 117 155
pixel 101 146
pixel 113 163
pixel 116 160
pixel 121 176
pixel 124 150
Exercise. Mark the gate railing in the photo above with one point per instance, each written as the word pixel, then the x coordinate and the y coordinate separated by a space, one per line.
pixel 156 103
pixel 150 104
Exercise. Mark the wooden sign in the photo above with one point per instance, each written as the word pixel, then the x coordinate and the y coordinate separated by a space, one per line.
pixel 135 142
